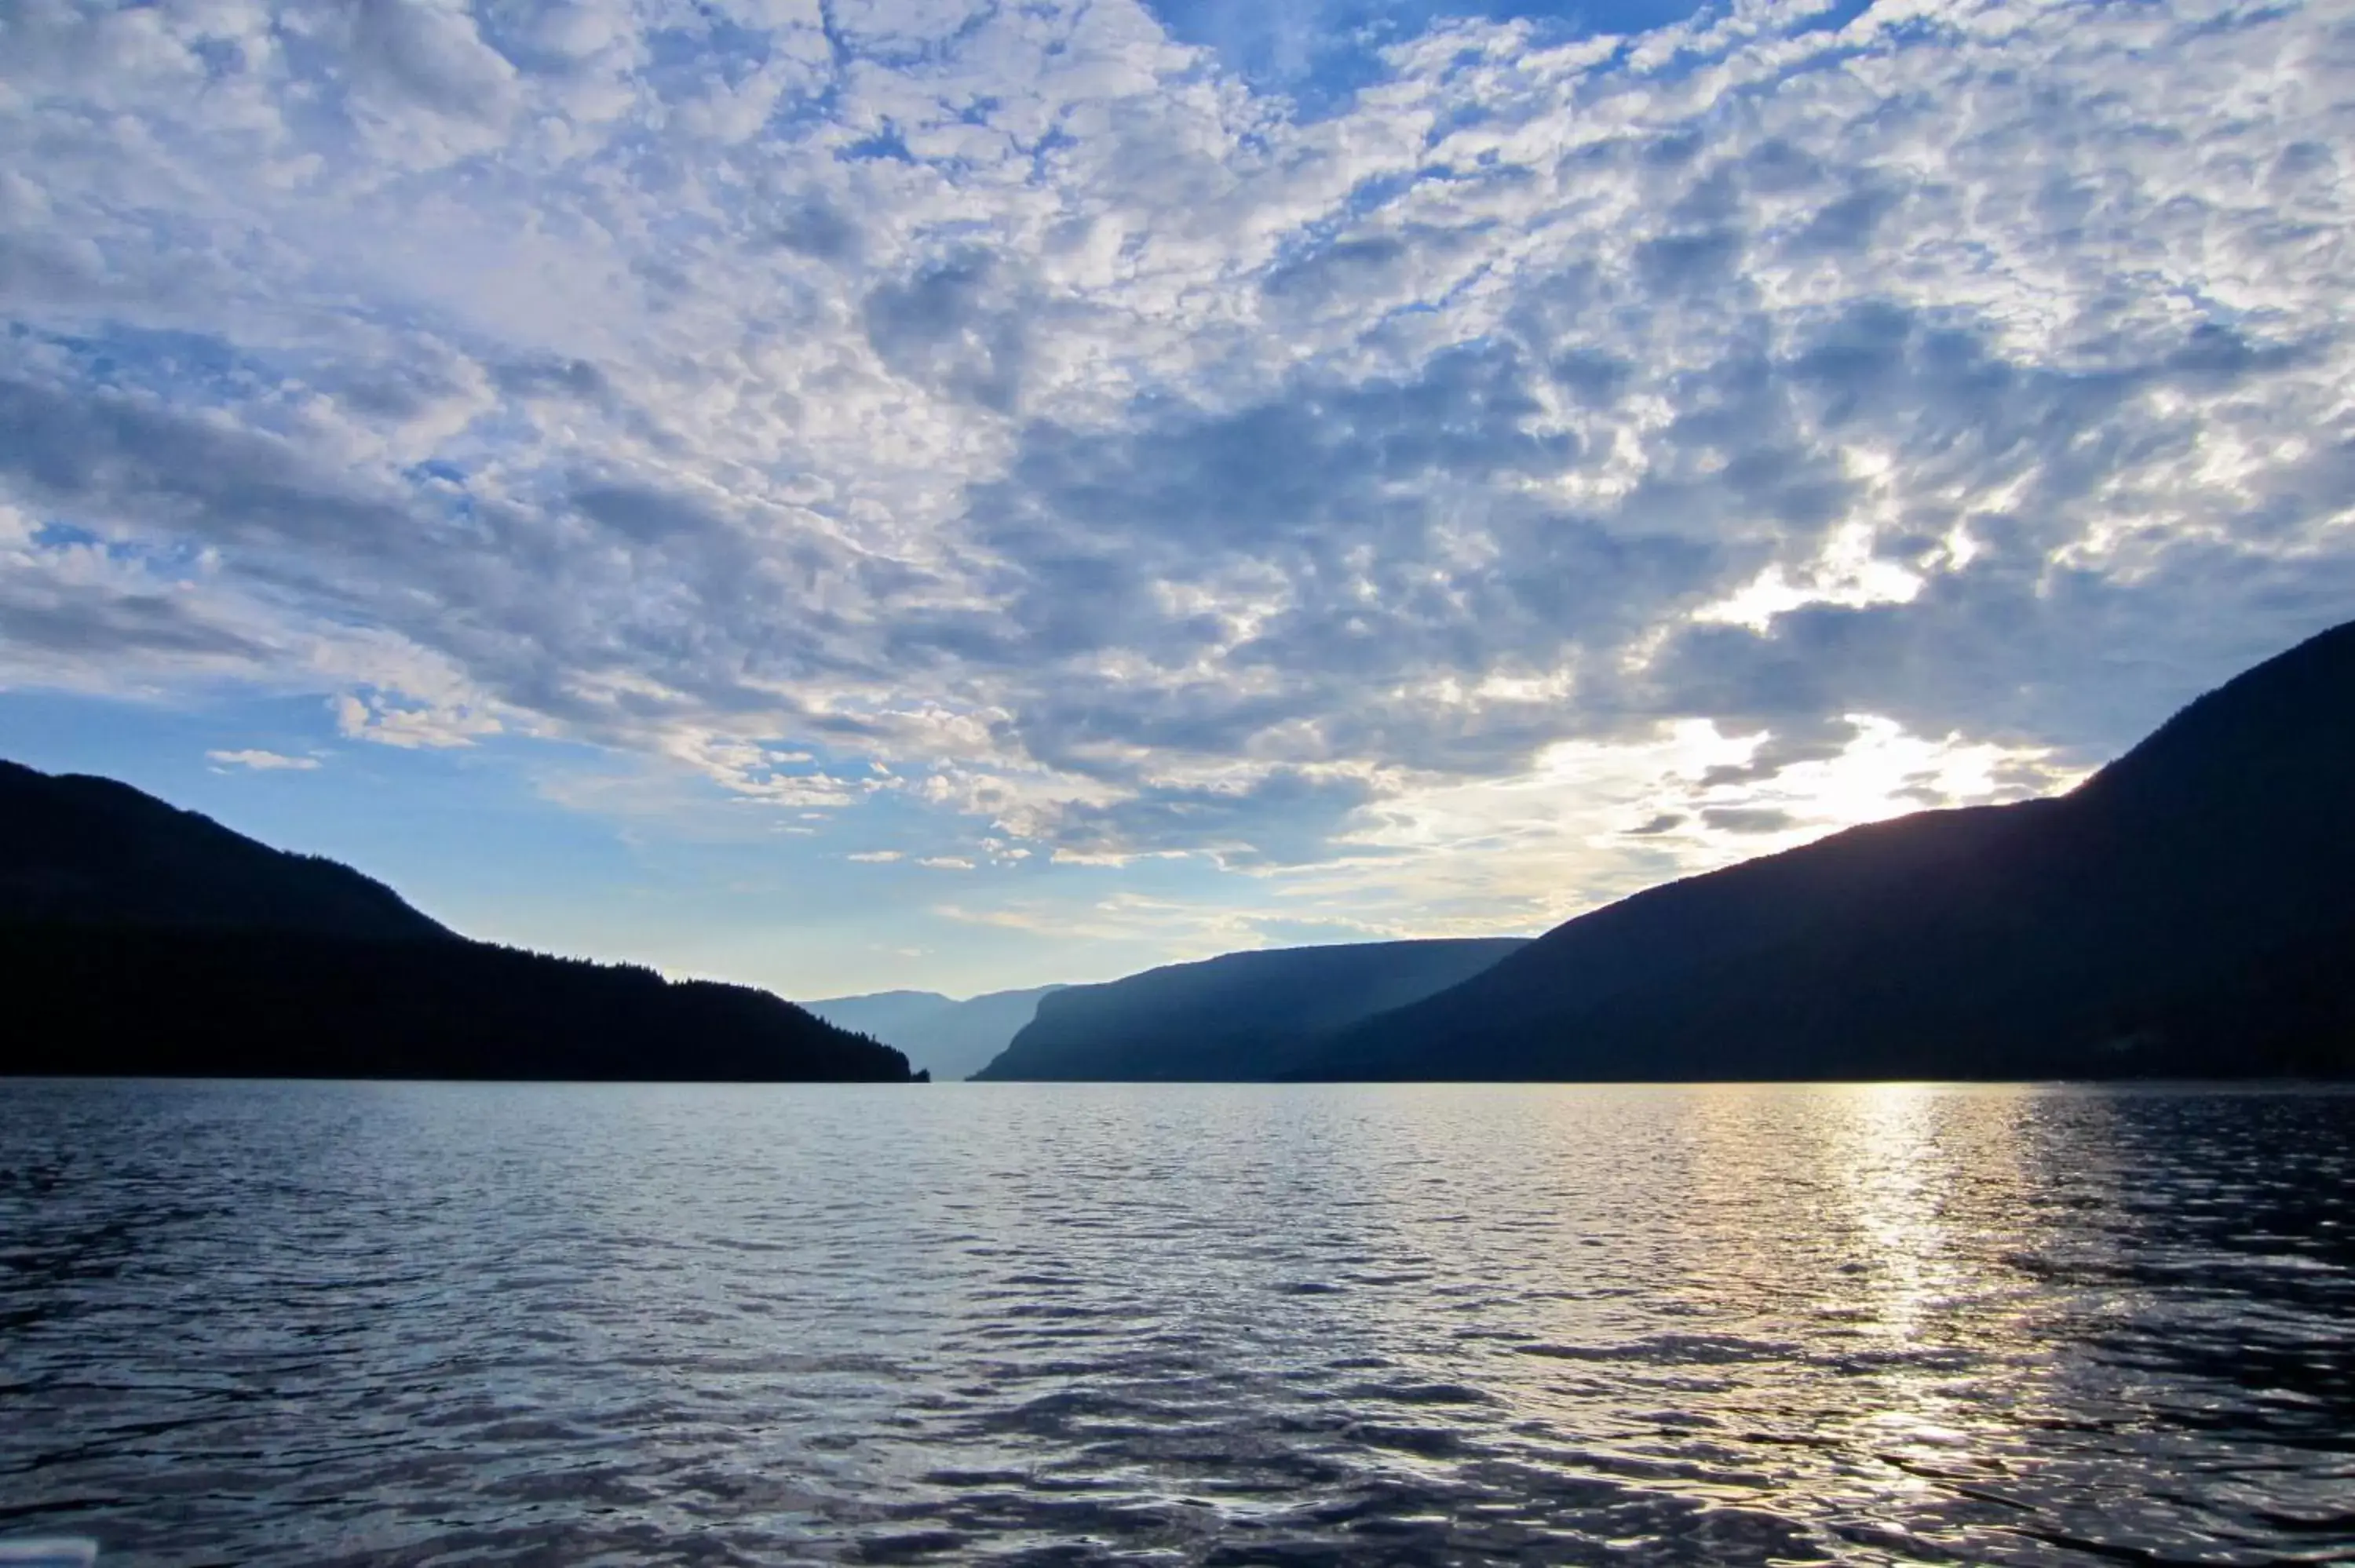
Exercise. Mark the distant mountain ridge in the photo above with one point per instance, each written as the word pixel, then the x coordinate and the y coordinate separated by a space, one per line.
pixel 137 938
pixel 2181 913
pixel 948 1037
pixel 873 1013
pixel 1246 1016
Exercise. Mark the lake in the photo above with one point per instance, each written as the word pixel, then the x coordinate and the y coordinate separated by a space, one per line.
pixel 1053 1324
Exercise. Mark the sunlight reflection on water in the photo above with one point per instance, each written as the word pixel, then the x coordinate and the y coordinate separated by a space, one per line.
pixel 1007 1323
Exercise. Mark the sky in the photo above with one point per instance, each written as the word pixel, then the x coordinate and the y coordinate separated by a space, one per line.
pixel 969 494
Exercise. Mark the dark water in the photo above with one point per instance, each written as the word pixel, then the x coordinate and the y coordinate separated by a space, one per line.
pixel 1053 1324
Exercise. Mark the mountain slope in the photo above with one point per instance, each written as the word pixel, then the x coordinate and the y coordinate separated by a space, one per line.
pixel 2098 934
pixel 73 847
pixel 881 1013
pixel 1241 1016
pixel 135 938
pixel 949 1038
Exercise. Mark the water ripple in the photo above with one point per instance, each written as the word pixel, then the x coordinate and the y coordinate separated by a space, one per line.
pixel 1069 1325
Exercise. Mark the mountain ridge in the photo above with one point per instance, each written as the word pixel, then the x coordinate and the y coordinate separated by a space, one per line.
pixel 2051 937
pixel 84 848
pixel 952 1037
pixel 1238 1015
pixel 140 938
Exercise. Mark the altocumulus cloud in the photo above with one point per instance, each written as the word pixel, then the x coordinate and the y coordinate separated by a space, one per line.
pixel 1566 458
pixel 263 761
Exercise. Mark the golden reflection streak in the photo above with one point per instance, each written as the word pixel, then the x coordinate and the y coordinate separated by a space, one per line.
pixel 1900 1180
pixel 1938 1181
pixel 1864 1229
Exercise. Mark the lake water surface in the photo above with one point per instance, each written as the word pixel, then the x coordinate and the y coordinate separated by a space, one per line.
pixel 330 1323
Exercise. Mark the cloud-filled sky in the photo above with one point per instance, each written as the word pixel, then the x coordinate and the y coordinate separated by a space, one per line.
pixel 849 493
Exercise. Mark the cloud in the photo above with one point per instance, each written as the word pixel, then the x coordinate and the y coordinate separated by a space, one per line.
pixel 422 84
pixel 941 328
pixel 1142 448
pixel 1749 819
pixel 119 624
pixel 389 720
pixel 263 761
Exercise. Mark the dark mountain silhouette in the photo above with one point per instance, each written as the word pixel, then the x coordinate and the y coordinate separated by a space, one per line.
pixel 946 1037
pixel 2189 910
pixel 1241 1016
pixel 73 847
pixel 136 938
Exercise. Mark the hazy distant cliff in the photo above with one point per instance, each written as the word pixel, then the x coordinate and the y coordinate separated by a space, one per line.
pixel 1244 1015
pixel 2188 910
pixel 948 1038
pixel 136 938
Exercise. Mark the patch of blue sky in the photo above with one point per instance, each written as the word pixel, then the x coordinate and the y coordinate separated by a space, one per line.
pixel 55 535
pixel 1372 194
pixel 887 143
pixel 165 559
pixel 446 487
pixel 1043 171
pixel 164 361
